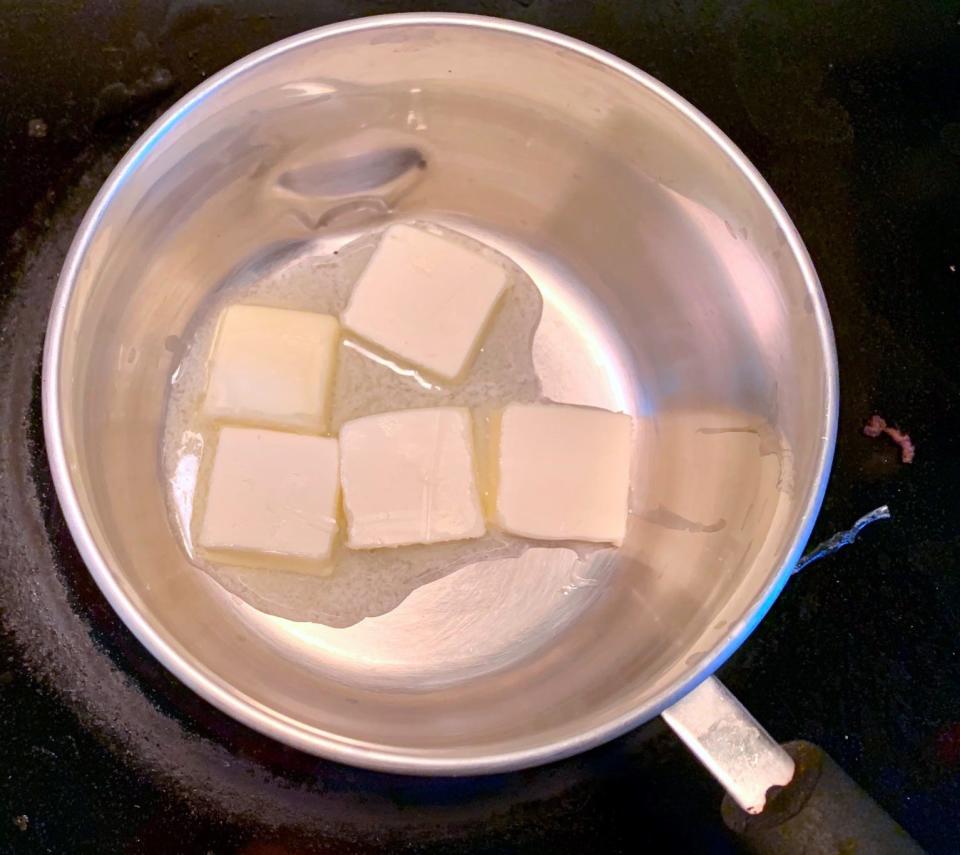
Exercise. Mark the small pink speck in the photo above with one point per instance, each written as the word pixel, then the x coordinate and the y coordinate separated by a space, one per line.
pixel 876 425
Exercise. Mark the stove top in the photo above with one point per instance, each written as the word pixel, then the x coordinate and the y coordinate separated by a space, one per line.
pixel 855 122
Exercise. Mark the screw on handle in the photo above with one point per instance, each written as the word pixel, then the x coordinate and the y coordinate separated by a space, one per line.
pixel 822 810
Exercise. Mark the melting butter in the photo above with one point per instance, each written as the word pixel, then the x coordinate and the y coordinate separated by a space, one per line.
pixel 363 583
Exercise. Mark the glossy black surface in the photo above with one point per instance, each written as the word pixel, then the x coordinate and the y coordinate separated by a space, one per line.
pixel 852 113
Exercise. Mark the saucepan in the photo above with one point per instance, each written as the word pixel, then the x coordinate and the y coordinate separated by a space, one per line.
pixel 675 288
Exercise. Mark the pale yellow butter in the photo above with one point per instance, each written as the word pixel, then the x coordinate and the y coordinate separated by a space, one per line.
pixel 408 477
pixel 271 499
pixel 272 367
pixel 425 298
pixel 563 472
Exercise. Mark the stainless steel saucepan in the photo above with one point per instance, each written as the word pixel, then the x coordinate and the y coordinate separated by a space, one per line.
pixel 675 287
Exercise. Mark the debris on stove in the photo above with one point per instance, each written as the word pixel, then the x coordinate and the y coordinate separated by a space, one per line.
pixel 22 822
pixel 877 426
pixel 842 538
pixel 119 97
pixel 37 129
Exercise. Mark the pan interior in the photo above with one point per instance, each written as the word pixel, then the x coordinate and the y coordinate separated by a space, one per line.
pixel 670 291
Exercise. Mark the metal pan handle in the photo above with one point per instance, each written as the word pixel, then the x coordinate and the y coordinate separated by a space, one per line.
pixel 781 800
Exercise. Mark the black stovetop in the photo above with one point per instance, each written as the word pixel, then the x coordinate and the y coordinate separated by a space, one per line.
pixel 852 113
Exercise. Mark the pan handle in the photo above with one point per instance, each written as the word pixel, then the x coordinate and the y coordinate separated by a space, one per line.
pixel 781 800
pixel 730 742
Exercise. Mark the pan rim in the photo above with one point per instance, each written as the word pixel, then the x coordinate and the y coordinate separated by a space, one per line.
pixel 322 743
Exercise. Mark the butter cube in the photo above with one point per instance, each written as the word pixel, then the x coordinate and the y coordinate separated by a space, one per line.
pixel 425 298
pixel 563 472
pixel 408 477
pixel 271 500
pixel 272 367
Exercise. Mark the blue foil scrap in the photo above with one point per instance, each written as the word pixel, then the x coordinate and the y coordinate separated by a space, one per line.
pixel 842 538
